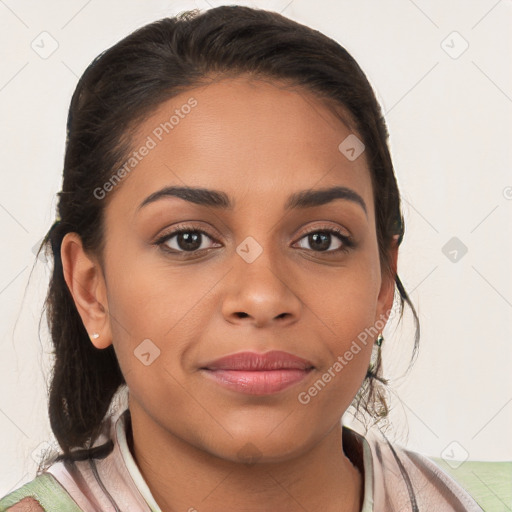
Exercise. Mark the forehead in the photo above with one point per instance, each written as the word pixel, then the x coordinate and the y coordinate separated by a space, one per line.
pixel 258 141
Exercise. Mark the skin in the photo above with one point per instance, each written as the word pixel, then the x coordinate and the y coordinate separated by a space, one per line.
pixel 258 143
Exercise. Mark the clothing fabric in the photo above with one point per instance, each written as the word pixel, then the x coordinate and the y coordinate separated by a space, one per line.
pixel 395 479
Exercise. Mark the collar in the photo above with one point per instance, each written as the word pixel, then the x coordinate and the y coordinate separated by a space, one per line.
pixel 124 420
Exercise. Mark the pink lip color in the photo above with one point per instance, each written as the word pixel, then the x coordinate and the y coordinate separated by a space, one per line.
pixel 258 374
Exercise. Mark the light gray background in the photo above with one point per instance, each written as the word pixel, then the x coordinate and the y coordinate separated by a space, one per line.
pixel 449 115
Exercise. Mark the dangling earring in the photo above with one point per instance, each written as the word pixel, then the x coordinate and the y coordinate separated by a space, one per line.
pixel 94 336
pixel 375 359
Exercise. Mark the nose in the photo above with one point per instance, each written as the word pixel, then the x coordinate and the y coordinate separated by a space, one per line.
pixel 261 293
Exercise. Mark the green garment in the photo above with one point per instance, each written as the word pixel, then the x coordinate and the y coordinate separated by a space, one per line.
pixel 489 483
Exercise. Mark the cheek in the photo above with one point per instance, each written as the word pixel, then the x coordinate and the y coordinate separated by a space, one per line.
pixel 173 305
pixel 346 315
pixel 159 313
pixel 148 295
pixel 348 300
pixel 152 320
pixel 347 318
pixel 150 298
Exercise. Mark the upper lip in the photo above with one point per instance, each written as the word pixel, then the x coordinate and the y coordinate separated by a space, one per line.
pixel 252 361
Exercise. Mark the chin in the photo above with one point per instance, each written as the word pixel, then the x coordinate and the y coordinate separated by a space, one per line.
pixel 264 445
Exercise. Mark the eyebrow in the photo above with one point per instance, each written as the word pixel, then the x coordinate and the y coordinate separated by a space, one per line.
pixel 219 199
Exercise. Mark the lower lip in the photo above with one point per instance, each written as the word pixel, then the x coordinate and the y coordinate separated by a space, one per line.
pixel 257 382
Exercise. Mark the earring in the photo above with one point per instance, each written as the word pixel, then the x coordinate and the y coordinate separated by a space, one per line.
pixel 375 360
pixel 94 336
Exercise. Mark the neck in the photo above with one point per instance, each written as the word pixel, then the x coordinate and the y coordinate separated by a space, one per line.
pixel 183 477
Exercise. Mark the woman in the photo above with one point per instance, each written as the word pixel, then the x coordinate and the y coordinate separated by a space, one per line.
pixel 226 252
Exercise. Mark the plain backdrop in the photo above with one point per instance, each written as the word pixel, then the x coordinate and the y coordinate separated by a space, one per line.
pixel 441 71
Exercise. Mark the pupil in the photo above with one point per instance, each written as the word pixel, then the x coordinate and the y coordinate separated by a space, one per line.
pixel 191 242
pixel 324 242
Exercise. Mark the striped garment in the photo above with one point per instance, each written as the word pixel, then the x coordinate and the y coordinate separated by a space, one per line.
pixel 395 479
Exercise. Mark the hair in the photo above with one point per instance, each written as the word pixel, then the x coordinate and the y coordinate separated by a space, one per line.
pixel 123 86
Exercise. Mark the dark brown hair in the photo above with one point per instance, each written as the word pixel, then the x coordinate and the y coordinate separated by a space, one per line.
pixel 124 85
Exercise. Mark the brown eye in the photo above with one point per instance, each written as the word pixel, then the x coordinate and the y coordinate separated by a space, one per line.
pixel 321 240
pixel 185 239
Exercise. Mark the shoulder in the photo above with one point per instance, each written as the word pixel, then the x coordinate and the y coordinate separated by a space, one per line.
pixel 42 493
pixel 471 485
pixel 404 478
pixel 26 505
pixel 488 482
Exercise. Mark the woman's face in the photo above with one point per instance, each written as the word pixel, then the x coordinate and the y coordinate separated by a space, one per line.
pixel 256 276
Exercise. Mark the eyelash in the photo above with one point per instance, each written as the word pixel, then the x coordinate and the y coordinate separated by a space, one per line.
pixel 347 241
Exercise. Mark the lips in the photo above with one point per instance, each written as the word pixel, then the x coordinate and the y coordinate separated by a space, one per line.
pixel 258 374
pixel 252 361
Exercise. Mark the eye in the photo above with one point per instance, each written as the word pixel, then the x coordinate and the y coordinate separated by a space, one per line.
pixel 321 239
pixel 184 239
pixel 190 239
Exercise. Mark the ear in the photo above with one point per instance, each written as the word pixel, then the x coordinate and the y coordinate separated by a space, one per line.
pixel 387 289
pixel 84 278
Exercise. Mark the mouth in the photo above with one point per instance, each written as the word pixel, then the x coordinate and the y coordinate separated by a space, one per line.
pixel 258 374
